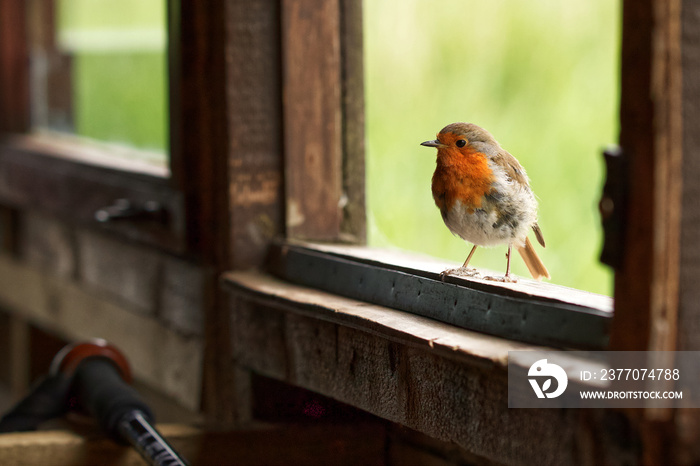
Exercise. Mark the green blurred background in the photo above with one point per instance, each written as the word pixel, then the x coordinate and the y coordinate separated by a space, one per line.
pixel 540 75
pixel 119 71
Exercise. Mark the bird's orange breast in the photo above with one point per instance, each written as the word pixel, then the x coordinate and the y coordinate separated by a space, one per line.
pixel 461 175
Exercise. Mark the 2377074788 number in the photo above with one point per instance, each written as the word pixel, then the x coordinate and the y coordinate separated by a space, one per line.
pixel 639 374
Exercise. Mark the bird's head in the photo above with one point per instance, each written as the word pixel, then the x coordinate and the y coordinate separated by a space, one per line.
pixel 463 138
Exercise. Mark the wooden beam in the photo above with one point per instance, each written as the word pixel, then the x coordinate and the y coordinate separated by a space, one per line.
pixel 688 421
pixel 689 312
pixel 159 356
pixel 19 355
pixel 445 340
pixel 14 67
pixel 651 135
pixel 446 382
pixel 254 98
pixel 312 118
pixel 646 285
pixel 354 223
pixel 51 70
pixel 253 445
pixel 199 151
pixel 198 123
pixel 247 207
pixel 44 175
pixel 667 84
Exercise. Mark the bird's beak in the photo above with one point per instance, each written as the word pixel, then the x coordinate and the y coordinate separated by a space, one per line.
pixel 434 143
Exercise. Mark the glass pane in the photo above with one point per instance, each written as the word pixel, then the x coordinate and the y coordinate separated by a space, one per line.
pixel 540 75
pixel 99 73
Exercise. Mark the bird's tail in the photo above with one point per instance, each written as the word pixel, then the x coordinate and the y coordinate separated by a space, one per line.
pixel 533 261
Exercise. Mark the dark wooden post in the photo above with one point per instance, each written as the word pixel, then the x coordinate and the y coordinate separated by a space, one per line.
pixel 14 67
pixel 656 289
pixel 688 421
pixel 228 161
pixel 646 285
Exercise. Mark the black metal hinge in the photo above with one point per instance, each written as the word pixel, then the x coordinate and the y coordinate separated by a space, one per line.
pixel 613 206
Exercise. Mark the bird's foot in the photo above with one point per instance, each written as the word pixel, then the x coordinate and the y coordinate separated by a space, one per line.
pixel 503 279
pixel 459 272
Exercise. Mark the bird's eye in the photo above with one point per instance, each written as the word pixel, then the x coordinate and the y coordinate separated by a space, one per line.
pixel 461 143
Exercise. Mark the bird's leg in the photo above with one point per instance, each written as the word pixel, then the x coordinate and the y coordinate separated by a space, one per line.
pixel 506 278
pixel 469 257
pixel 463 271
pixel 510 246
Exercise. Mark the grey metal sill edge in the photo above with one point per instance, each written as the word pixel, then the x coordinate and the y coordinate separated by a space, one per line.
pixel 527 319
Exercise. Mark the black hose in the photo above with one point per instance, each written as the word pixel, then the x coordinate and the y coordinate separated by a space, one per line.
pixel 120 411
pixel 48 399
pixel 91 377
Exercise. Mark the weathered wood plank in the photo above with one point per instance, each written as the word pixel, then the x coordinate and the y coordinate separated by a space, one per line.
pixel 408 446
pixel 198 122
pixel 129 274
pixel 447 394
pixel 249 195
pixel 46 244
pixel 633 280
pixel 354 224
pixel 271 444
pixel 312 118
pixel 667 86
pixel 19 355
pixel 8 230
pixel 688 421
pixel 689 316
pixel 103 155
pixel 254 97
pixel 159 356
pixel 51 75
pixel 199 139
pixel 400 327
pixel 75 191
pixel 646 285
pixel 181 298
pixel 6 347
pixel 14 67
pixel 647 282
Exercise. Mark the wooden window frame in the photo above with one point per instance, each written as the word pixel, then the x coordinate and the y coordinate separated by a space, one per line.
pixel 278 138
pixel 651 138
pixel 73 182
pixel 323 198
pixel 648 279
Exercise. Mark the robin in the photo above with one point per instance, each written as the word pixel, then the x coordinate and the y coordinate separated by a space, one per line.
pixel 484 196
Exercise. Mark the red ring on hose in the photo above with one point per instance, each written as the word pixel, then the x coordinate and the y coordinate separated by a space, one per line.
pixel 70 356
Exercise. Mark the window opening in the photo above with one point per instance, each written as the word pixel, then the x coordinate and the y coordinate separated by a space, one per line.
pixel 549 95
pixel 99 75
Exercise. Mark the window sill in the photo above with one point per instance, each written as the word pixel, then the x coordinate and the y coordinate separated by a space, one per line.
pixel 89 152
pixel 394 325
pixel 527 311
pixel 447 382
pixel 72 182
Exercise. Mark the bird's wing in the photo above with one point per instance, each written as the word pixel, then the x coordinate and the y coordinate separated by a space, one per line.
pixel 512 167
pixel 538 234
